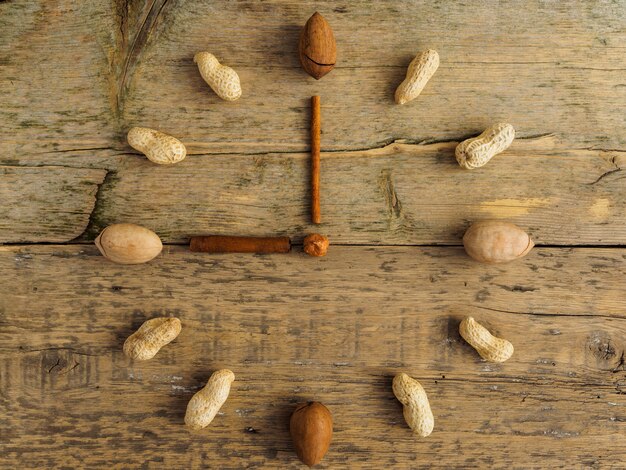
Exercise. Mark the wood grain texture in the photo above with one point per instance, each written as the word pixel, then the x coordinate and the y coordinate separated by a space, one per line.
pixel 294 328
pixel 135 68
pixel 399 194
pixel 90 71
pixel 46 203
pixel 75 76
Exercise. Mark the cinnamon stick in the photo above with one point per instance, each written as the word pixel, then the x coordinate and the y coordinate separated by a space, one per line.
pixel 228 244
pixel 315 159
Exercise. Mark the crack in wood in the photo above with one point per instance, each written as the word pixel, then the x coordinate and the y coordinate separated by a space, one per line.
pixel 621 365
pixel 394 206
pixel 137 47
pixel 604 175
pixel 92 223
pixel 67 371
pixel 55 365
pixel 544 314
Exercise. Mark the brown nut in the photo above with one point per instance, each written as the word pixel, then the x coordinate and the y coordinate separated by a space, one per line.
pixel 128 244
pixel 318 50
pixel 311 428
pixel 493 241
pixel 316 244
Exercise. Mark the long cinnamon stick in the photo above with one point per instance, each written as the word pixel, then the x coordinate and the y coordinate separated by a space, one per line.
pixel 227 244
pixel 315 159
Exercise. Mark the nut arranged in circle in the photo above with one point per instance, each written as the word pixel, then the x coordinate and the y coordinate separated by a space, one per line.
pixel 420 70
pixel 318 49
pixel 205 404
pixel 311 428
pixel 223 80
pixel 494 241
pixel 156 146
pixel 144 343
pixel 489 347
pixel 128 244
pixel 477 151
pixel 417 412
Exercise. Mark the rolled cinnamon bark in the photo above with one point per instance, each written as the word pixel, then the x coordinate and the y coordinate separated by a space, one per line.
pixel 228 244
pixel 316 121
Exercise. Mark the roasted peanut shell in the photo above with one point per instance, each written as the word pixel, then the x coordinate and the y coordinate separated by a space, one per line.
pixel 156 146
pixel 416 407
pixel 420 70
pixel 205 404
pixel 222 79
pixel 490 348
pixel 477 151
pixel 144 343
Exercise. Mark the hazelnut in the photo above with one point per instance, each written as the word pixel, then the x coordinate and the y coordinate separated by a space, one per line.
pixel 316 245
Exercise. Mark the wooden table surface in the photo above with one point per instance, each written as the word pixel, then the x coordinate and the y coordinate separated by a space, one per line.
pixel 76 75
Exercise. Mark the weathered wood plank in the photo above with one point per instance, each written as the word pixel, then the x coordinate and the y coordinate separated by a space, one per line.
pixel 399 194
pixel 295 328
pixel 78 75
pixel 54 77
pixel 75 75
pixel 46 203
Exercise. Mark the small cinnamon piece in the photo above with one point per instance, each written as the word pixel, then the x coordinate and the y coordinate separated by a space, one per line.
pixel 228 244
pixel 315 159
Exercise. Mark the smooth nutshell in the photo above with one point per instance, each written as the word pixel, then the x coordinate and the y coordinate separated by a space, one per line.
pixel 416 407
pixel 311 428
pixel 490 348
pixel 316 245
pixel 128 244
pixel 156 146
pixel 144 343
pixel 420 70
pixel 205 404
pixel 493 241
pixel 477 151
pixel 318 50
pixel 223 80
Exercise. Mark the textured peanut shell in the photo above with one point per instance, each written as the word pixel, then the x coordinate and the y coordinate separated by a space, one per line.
pixel 128 244
pixel 156 146
pixel 493 241
pixel 311 428
pixel 489 347
pixel 205 404
pixel 477 151
pixel 417 412
pixel 420 70
pixel 223 80
pixel 318 50
pixel 144 343
pixel 316 245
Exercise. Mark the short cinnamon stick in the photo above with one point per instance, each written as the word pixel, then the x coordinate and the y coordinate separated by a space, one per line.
pixel 227 244
pixel 315 159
